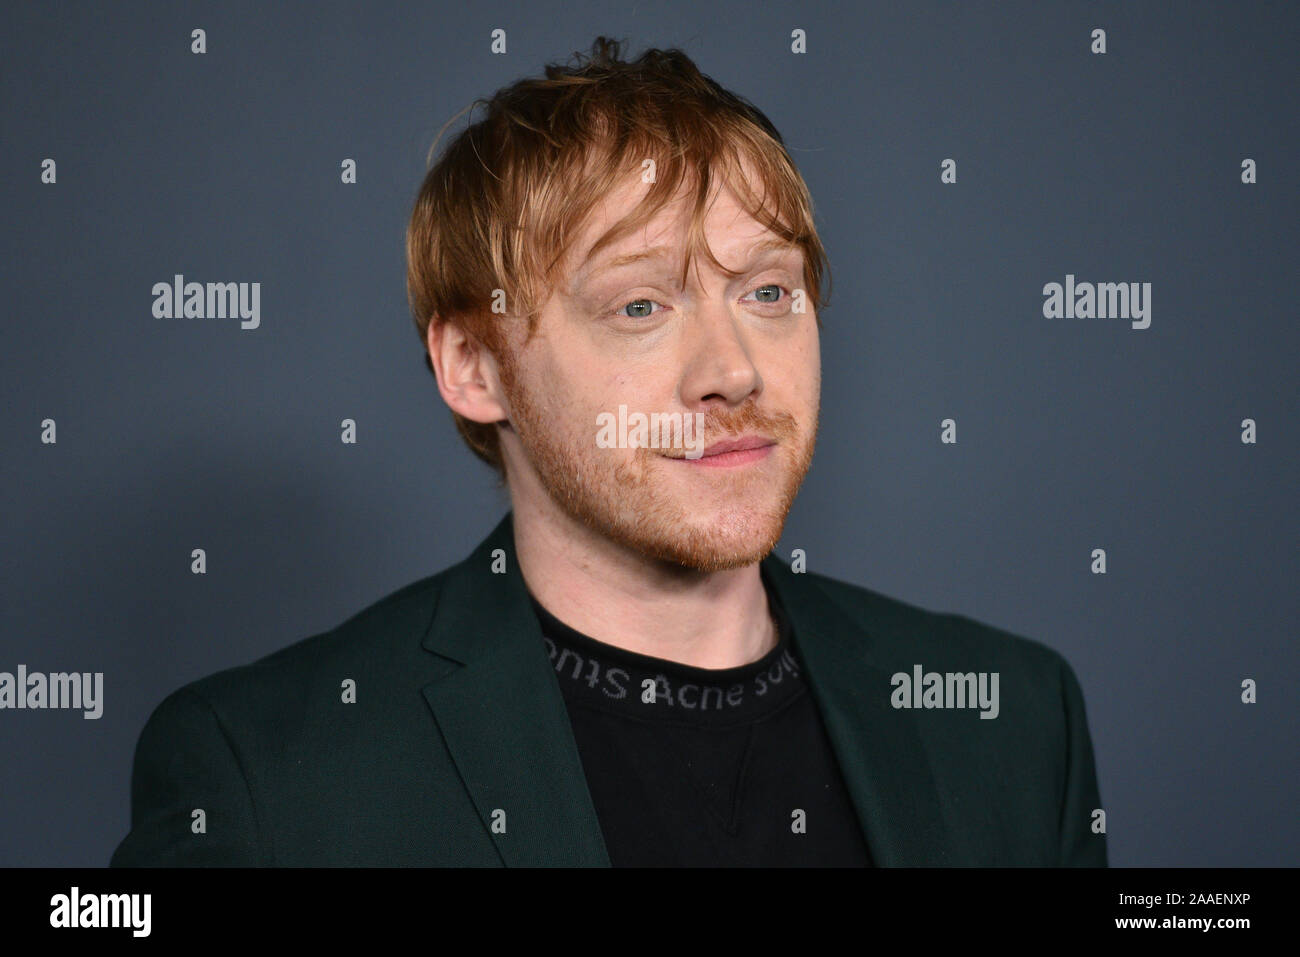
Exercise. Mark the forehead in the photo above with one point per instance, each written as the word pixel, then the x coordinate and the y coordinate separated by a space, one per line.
pixel 732 233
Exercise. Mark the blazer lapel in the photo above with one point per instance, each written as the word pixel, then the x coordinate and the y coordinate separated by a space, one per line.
pixel 880 751
pixel 499 708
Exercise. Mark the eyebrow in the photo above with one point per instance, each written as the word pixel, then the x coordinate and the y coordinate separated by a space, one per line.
pixel 659 252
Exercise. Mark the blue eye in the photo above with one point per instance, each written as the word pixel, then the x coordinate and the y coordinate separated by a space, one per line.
pixel 773 286
pixel 769 294
pixel 637 302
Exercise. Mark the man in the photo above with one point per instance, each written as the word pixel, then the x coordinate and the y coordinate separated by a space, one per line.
pixel 616 277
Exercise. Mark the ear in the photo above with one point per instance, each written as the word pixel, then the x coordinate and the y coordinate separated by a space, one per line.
pixel 466 373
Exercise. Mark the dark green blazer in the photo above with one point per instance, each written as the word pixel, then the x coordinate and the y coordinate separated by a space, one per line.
pixel 458 726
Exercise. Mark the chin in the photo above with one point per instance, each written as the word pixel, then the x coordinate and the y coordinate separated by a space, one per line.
pixel 729 539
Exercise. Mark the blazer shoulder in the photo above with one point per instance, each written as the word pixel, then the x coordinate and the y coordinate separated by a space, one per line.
pixel 901 624
pixel 1043 720
pixel 382 638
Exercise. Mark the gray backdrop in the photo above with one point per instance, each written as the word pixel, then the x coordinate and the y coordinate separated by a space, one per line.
pixel 1073 434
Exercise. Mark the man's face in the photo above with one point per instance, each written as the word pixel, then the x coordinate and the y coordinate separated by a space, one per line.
pixel 629 335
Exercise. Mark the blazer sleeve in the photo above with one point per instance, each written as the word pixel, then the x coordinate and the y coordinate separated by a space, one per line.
pixel 185 762
pixel 1080 846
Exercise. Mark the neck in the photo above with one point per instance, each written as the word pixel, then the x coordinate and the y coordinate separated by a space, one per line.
pixel 624 598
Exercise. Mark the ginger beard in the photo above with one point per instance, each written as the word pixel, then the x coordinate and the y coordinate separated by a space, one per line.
pixel 707 520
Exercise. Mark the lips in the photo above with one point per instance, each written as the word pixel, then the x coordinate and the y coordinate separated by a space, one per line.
pixel 737 445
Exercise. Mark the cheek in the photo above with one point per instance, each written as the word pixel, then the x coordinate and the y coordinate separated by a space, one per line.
pixel 642 387
pixel 800 368
pixel 813 362
pixel 554 379
pixel 572 395
pixel 813 345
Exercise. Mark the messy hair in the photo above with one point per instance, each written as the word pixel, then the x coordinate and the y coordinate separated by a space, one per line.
pixel 501 208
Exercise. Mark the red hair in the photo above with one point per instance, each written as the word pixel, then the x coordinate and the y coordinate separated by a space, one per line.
pixel 510 194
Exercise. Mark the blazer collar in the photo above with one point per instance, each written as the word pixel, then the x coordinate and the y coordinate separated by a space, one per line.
pixel 881 753
pixel 499 707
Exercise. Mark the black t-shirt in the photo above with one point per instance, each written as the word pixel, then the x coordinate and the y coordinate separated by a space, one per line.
pixel 716 768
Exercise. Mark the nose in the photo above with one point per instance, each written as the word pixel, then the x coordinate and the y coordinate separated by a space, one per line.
pixel 717 365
